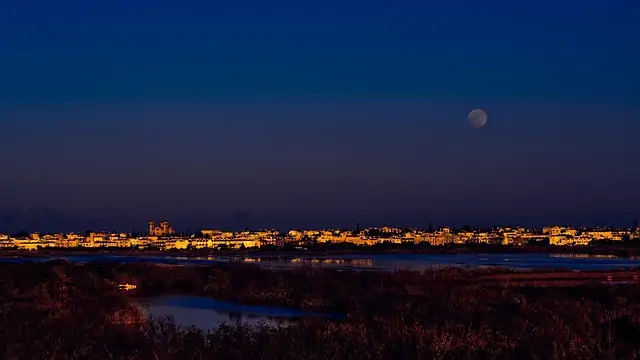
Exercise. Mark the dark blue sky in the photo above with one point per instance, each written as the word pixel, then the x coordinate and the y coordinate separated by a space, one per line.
pixel 322 112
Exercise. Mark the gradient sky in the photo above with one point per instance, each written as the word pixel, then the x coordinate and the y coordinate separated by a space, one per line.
pixel 294 113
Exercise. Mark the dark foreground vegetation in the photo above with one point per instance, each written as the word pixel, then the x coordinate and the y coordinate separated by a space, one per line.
pixel 59 310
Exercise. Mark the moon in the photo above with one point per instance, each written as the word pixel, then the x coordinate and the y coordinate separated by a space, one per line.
pixel 477 118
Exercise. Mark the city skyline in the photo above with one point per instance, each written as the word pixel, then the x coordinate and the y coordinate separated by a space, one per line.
pixel 321 114
pixel 161 236
pixel 48 220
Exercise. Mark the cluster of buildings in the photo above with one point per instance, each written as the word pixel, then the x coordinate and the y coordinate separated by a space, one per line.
pixel 555 235
pixel 162 236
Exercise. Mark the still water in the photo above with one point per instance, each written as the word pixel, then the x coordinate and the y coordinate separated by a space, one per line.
pixel 384 262
pixel 208 314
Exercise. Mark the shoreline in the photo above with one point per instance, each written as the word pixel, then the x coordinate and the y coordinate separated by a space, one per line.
pixel 614 251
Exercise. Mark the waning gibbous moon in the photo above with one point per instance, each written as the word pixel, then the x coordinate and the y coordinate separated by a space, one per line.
pixel 477 118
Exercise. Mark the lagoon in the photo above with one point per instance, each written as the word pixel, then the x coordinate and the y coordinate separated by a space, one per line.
pixel 381 262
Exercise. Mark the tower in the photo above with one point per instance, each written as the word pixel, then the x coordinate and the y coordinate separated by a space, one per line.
pixel 165 227
pixel 152 226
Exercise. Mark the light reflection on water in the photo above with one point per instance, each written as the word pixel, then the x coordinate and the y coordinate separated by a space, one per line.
pixel 385 262
pixel 589 256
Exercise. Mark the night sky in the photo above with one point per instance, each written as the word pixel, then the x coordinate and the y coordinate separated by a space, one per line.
pixel 318 113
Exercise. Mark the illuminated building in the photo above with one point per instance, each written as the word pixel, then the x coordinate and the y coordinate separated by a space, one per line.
pixel 163 230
